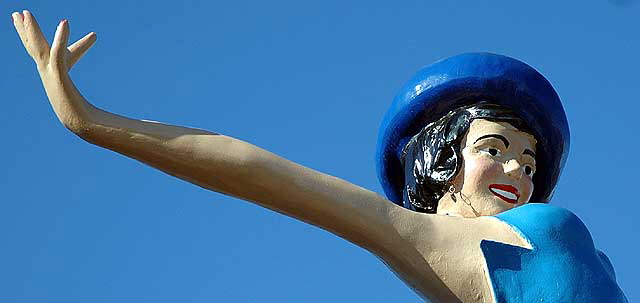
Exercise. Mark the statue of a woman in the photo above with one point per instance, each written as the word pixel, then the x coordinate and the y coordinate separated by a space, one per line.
pixel 467 146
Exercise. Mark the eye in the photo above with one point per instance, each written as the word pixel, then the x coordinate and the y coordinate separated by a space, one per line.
pixel 528 170
pixel 491 151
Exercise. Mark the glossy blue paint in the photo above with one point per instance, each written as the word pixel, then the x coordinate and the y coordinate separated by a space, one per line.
pixel 562 266
pixel 463 80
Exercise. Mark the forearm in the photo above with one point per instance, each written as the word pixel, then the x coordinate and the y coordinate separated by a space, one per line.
pixel 179 151
pixel 207 159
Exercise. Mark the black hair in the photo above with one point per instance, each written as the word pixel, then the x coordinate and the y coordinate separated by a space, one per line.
pixel 433 157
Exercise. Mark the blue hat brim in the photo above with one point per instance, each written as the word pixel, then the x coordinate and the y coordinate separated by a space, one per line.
pixel 463 80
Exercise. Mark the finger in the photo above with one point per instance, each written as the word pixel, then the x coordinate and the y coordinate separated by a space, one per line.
pixel 16 16
pixel 80 47
pixel 18 23
pixel 35 39
pixel 60 41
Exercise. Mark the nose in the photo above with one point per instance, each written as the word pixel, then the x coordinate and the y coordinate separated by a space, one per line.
pixel 513 169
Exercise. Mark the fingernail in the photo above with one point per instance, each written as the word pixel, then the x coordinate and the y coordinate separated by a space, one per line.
pixel 63 21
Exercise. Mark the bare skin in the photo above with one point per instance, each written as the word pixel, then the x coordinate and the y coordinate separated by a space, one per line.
pixel 437 255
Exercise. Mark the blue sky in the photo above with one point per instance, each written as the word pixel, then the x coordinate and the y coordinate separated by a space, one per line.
pixel 308 80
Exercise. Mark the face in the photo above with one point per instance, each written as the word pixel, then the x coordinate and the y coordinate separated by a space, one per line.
pixel 499 163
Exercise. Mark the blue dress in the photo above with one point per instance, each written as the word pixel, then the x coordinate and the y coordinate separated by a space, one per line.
pixel 562 266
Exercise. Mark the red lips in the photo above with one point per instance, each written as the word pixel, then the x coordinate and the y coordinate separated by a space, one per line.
pixel 505 192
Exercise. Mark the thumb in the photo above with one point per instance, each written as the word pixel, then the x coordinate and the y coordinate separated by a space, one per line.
pixel 80 47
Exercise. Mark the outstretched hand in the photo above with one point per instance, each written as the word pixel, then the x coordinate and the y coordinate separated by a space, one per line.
pixel 53 64
pixel 58 55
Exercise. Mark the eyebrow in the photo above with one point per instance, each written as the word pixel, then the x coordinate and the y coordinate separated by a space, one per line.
pixel 502 138
pixel 529 152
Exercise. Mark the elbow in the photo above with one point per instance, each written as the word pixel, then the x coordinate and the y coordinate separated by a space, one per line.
pixel 246 160
pixel 232 161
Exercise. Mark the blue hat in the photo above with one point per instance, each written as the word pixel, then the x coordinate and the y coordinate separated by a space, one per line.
pixel 464 80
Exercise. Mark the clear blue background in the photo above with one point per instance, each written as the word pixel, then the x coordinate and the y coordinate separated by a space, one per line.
pixel 309 80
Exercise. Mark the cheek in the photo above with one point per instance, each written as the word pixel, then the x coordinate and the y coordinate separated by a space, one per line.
pixel 482 170
pixel 527 189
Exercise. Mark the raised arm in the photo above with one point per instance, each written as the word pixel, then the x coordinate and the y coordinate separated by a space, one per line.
pixel 210 160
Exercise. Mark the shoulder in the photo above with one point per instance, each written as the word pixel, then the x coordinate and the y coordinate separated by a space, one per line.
pixel 431 233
